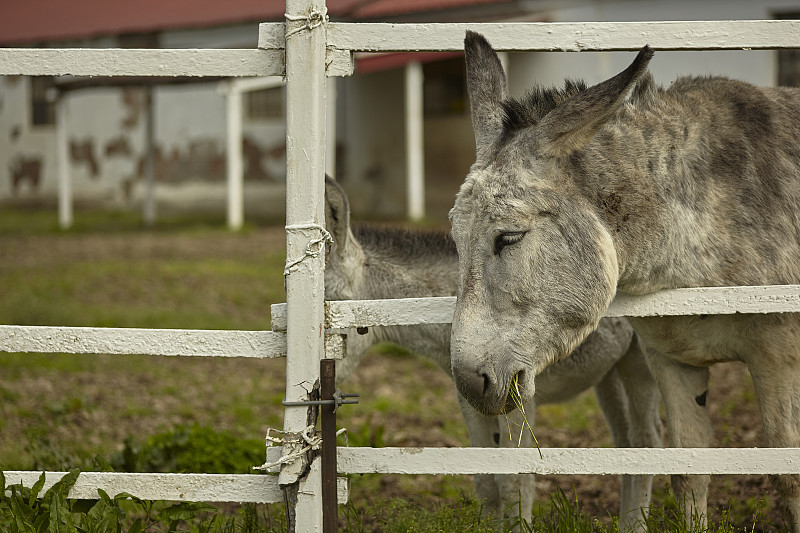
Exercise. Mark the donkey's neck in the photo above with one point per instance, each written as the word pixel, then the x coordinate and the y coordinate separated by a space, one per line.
pixel 692 195
pixel 406 264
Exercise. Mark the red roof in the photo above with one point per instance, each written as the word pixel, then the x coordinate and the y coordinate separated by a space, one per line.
pixel 37 21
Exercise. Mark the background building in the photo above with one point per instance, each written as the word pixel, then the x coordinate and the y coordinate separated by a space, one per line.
pixel 107 124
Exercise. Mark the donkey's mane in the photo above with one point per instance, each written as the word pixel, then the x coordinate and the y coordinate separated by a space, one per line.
pixel 520 113
pixel 405 242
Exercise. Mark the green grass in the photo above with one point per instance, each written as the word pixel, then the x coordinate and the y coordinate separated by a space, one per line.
pixel 142 293
pixel 59 412
pixel 108 271
pixel 43 220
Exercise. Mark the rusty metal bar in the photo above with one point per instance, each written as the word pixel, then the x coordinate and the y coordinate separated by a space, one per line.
pixel 330 512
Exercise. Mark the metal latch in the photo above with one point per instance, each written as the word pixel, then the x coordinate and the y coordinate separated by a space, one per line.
pixel 339 399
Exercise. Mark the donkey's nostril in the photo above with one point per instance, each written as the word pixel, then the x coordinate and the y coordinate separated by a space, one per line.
pixel 479 388
pixel 472 384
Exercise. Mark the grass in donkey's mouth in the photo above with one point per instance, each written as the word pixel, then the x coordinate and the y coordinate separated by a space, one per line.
pixel 516 397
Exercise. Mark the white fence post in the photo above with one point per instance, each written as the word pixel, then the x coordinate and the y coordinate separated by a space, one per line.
pixel 305 42
pixel 330 130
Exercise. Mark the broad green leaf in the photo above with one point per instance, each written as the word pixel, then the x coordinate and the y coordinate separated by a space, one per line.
pixel 136 527
pixel 36 489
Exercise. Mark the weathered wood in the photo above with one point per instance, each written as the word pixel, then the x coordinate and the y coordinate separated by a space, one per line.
pixel 242 488
pixel 339 63
pixel 695 301
pixel 710 300
pixel 134 341
pixel 559 36
pixel 140 62
pixel 602 461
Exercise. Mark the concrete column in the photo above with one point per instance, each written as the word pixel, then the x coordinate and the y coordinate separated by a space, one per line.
pixel 415 142
pixel 235 166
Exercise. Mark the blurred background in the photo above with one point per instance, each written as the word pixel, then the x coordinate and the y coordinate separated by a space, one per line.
pixel 106 119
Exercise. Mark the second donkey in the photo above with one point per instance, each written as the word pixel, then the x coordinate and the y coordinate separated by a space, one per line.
pixel 376 263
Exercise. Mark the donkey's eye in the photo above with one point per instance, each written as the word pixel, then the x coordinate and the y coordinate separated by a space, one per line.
pixel 507 239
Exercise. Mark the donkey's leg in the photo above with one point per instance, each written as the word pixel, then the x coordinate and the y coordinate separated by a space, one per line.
pixel 613 403
pixel 517 491
pixel 483 433
pixel 645 429
pixel 777 383
pixel 684 389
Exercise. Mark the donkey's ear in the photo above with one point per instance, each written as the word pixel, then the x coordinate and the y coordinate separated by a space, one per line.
pixel 573 123
pixel 486 86
pixel 337 214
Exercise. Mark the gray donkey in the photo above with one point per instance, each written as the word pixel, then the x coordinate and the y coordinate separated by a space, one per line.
pixel 395 263
pixel 578 194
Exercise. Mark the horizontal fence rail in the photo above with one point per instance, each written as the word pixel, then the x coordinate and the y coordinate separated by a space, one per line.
pixel 140 62
pixel 128 62
pixel 240 488
pixel 676 302
pixel 604 461
pixel 135 341
pixel 554 36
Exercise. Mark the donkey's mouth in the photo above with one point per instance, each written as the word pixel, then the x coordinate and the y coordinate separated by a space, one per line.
pixel 513 399
pixel 509 406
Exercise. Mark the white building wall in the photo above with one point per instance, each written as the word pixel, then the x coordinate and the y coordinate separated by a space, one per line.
pixel 189 131
pixel 374 140
pixel 19 141
pixel 190 119
pixel 754 66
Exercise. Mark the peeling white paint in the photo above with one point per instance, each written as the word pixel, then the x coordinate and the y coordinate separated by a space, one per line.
pixel 139 62
pixel 241 488
pixel 560 36
pixel 603 461
pixel 134 341
pixel 344 314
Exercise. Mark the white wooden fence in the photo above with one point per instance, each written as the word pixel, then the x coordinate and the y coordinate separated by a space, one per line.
pixel 305 49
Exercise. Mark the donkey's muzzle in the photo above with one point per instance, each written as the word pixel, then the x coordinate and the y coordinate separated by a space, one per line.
pixel 482 391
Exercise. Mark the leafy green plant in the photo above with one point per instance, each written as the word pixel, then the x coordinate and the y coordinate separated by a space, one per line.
pixel 190 449
pixel 26 510
pixel 22 511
